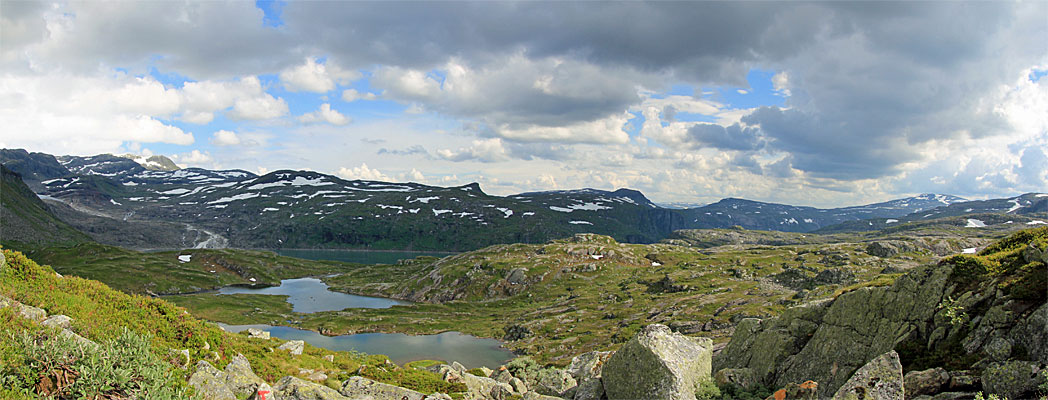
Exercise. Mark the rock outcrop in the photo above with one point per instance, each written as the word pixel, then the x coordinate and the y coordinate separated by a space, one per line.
pixel 879 379
pixel 295 347
pixel 658 364
pixel 292 388
pixel 968 311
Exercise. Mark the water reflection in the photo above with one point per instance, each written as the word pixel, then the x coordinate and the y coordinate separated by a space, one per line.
pixel 310 295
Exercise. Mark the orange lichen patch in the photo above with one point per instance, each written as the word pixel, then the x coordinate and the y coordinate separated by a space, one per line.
pixel 779 394
pixel 811 385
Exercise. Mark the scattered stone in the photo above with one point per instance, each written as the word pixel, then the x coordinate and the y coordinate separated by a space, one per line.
pixel 437 396
pixel 879 379
pixel 210 383
pixel 257 334
pixel 240 379
pixel 535 396
pixel 929 381
pixel 329 358
pixel 58 321
pixel 517 276
pixel 359 387
pixel 658 363
pixel 292 388
pixel 590 389
pixel 486 371
pixel 31 313
pixel 294 346
pixel 181 357
pixel 77 338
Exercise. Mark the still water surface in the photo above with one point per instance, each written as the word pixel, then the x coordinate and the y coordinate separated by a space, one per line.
pixel 310 295
pixel 471 351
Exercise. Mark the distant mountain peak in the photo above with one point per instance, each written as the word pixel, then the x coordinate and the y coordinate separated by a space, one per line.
pixel 153 163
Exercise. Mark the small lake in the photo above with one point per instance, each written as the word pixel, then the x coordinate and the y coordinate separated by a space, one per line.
pixel 471 351
pixel 310 295
pixel 359 256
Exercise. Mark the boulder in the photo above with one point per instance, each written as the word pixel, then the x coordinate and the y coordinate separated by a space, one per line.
pixel 1012 379
pixel 358 387
pixel 556 382
pixel 257 334
pixel 963 381
pixel 58 321
pixel 518 385
pixel 329 358
pixel 479 387
pixel 240 379
pixel 879 379
pixel 180 357
pixel 210 383
pixel 929 381
pixel 77 338
pixel 658 364
pixel 517 276
pixel 292 388
pixel 486 371
pixel 294 346
pixel 459 367
pixel 588 365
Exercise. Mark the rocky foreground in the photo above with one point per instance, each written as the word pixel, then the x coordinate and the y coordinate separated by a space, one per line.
pixel 966 326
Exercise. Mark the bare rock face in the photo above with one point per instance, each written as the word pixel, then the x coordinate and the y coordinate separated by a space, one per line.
pixel 58 321
pixel 658 364
pixel 879 379
pixel 240 379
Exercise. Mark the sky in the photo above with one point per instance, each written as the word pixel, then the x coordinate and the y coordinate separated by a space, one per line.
pixel 821 104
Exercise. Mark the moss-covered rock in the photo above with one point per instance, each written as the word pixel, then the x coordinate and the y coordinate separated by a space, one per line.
pixel 879 379
pixel 658 364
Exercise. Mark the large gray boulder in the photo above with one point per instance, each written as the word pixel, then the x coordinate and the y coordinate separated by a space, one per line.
pixel 292 388
pixel 879 379
pixel 658 364
pixel 210 383
pixel 556 382
pixel 240 379
pixel 361 388
pixel 294 346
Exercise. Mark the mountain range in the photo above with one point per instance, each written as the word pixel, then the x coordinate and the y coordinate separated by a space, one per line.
pixel 147 202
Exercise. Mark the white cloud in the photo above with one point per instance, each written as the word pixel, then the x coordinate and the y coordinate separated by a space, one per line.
pixel 781 82
pixel 488 150
pixel 325 114
pixel 316 77
pixel 259 108
pixel 351 95
pixel 225 138
pixel 606 130
pixel 363 173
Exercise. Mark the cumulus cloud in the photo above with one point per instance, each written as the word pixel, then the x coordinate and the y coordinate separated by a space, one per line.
pixel 487 150
pixel 362 173
pixel 733 137
pixel 194 158
pixel 316 77
pixel 258 108
pixel 410 150
pixel 325 114
pixel 225 138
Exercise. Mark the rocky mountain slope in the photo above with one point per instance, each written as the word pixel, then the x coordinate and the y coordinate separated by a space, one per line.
pixel 27 220
pixel 303 209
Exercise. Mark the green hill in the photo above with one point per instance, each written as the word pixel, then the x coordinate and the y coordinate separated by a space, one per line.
pixel 24 218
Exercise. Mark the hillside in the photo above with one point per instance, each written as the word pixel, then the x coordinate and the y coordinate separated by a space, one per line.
pixel 151 345
pixel 25 219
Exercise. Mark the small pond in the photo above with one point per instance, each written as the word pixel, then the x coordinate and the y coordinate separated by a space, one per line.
pixel 471 351
pixel 310 295
pixel 359 256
